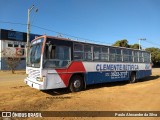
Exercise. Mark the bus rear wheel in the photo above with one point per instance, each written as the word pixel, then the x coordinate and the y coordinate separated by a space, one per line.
pixel 132 77
pixel 76 83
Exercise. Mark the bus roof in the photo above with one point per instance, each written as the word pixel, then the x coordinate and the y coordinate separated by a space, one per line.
pixel 83 42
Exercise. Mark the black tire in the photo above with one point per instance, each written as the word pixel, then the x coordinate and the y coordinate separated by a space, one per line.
pixel 132 77
pixel 76 83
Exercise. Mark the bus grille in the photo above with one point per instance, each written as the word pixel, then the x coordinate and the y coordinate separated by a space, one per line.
pixel 33 73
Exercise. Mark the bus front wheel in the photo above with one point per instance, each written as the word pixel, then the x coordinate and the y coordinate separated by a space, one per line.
pixel 76 83
pixel 133 77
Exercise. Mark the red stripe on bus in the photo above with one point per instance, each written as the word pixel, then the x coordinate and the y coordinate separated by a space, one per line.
pixel 65 74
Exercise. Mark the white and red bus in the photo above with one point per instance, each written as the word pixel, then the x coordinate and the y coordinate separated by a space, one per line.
pixel 59 62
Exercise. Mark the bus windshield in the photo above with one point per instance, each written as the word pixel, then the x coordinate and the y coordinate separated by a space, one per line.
pixel 35 55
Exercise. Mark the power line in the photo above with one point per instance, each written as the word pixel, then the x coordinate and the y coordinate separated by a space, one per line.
pixel 85 39
pixel 144 46
pixel 13 23
pixel 152 43
pixel 78 38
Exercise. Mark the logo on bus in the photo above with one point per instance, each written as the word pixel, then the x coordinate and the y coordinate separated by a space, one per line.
pixel 116 67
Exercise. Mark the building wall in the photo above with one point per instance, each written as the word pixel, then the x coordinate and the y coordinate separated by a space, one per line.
pixel 10 47
pixel 11 40
pixel 20 66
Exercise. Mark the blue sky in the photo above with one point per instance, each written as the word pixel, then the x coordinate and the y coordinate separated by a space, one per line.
pixel 105 21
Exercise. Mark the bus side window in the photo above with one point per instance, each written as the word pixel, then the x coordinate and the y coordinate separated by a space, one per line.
pixel 118 55
pixel 135 53
pixel 49 52
pixel 87 52
pixel 140 56
pixel 130 56
pixel 125 55
pixel 52 52
pixel 146 57
pixel 46 52
pixel 78 52
pixel 112 54
pixel 97 52
pixel 104 54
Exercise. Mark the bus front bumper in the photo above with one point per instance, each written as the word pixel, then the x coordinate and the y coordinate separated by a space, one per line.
pixel 32 84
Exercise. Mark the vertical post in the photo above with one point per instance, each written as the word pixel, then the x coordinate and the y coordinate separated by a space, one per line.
pixel 28 36
pixel 139 44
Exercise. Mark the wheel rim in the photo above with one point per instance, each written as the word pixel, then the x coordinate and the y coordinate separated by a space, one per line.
pixel 77 84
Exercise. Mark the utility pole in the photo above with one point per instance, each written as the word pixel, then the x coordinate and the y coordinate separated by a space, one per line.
pixel 28 33
pixel 140 42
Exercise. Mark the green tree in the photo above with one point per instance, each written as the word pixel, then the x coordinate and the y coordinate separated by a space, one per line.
pixel 12 59
pixel 121 43
pixel 135 46
pixel 155 54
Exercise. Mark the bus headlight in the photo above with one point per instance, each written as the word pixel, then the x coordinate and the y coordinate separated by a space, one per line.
pixel 40 79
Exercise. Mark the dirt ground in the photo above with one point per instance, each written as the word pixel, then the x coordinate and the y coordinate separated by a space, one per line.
pixel 144 95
